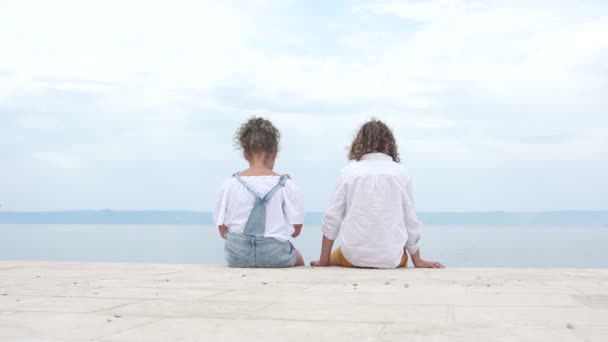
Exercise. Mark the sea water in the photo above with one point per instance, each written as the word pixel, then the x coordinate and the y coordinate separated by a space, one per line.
pixel 455 246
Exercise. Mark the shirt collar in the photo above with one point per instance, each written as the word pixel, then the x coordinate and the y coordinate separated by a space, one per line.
pixel 376 156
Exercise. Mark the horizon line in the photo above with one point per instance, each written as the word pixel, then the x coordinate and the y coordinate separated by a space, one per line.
pixel 311 211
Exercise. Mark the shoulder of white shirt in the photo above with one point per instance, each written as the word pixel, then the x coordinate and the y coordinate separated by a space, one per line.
pixel 232 180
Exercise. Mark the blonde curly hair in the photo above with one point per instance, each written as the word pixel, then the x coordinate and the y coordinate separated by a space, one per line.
pixel 257 135
pixel 374 136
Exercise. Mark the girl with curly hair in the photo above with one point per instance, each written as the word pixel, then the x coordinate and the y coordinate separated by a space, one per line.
pixel 373 207
pixel 257 209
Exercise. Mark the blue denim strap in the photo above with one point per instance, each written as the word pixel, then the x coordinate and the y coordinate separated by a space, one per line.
pixel 281 183
pixel 247 186
pixel 256 223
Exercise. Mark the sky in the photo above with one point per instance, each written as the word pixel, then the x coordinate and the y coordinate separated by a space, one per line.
pixel 132 105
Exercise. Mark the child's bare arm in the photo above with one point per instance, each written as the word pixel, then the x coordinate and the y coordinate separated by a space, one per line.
pixel 419 263
pixel 325 257
pixel 298 230
pixel 223 230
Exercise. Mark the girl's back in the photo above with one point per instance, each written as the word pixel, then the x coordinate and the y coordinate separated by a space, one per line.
pixel 283 210
pixel 257 211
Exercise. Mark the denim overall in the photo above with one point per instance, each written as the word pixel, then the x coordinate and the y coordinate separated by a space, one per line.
pixel 252 249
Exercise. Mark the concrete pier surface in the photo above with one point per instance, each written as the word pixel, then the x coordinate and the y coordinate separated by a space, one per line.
pixel 52 301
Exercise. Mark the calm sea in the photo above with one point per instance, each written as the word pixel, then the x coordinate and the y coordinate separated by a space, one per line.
pixel 519 246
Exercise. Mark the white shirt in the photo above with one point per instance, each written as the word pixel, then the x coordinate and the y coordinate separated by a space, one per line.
pixel 283 210
pixel 373 209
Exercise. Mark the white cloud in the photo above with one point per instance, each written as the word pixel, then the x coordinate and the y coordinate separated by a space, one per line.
pixel 154 90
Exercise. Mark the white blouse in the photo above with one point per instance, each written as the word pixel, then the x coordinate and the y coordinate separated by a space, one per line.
pixel 373 209
pixel 283 210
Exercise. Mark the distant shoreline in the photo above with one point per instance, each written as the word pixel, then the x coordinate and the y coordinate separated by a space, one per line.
pixel 184 217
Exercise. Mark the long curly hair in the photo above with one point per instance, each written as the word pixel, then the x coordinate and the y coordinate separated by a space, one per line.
pixel 257 135
pixel 374 136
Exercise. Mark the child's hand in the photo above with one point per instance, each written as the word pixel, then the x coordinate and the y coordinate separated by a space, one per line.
pixel 297 230
pixel 427 264
pixel 419 263
pixel 319 263
pixel 223 231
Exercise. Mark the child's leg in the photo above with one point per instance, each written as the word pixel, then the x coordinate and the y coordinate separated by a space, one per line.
pixel 403 262
pixel 299 259
pixel 338 259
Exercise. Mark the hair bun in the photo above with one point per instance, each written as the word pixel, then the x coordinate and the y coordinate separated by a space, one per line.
pixel 257 135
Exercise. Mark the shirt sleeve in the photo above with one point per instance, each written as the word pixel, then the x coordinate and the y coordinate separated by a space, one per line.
pixel 413 225
pixel 293 207
pixel 219 212
pixel 335 213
